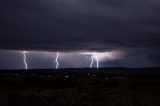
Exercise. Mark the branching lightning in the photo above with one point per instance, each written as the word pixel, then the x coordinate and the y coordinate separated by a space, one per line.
pixel 94 58
pixel 57 62
pixel 25 59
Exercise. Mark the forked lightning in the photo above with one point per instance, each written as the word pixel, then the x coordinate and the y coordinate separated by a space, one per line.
pixel 94 58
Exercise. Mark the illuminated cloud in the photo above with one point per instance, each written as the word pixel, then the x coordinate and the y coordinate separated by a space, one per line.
pixel 104 56
pixel 79 59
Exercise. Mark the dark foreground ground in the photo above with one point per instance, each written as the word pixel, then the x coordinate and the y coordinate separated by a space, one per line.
pixel 80 87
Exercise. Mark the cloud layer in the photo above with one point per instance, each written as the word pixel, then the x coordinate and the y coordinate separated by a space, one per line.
pixel 131 26
pixel 79 24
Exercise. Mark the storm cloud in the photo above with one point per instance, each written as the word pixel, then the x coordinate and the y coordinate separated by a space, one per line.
pixel 132 26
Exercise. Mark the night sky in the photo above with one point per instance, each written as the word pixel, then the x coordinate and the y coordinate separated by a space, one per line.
pixel 124 33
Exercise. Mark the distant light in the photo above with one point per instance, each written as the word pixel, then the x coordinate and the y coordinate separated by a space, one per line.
pixel 94 75
pixel 66 76
pixel 106 78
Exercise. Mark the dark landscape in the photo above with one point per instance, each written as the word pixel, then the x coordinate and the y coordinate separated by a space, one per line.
pixel 80 87
pixel 80 53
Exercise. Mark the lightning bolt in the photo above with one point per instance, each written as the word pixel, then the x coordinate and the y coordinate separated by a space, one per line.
pixel 97 61
pixel 57 63
pixel 25 59
pixel 94 58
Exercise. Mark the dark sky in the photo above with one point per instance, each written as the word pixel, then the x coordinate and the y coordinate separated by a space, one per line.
pixel 131 26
